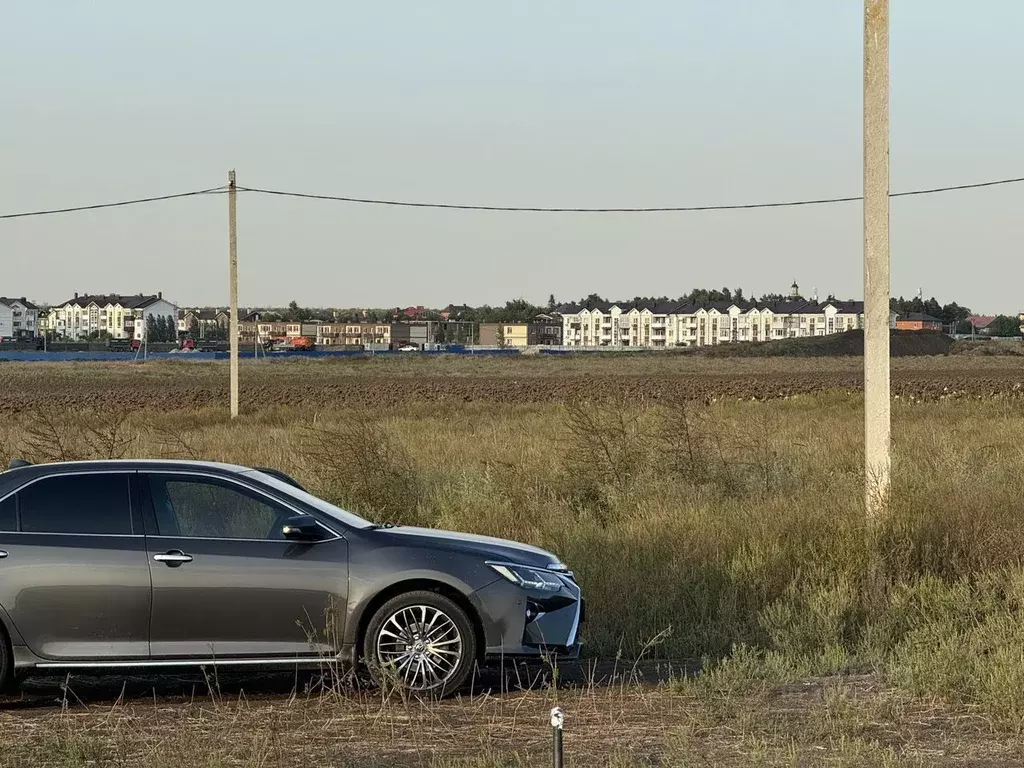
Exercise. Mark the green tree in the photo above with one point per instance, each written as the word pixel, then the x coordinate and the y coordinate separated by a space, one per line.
pixel 551 303
pixel 151 328
pixel 295 313
pixel 1004 325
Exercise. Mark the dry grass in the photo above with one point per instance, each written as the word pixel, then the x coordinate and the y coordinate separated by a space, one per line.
pixel 731 531
pixel 838 722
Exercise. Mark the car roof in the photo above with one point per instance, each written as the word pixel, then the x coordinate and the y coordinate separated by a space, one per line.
pixel 13 478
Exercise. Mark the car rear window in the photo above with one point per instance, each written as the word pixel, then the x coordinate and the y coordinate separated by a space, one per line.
pixel 86 503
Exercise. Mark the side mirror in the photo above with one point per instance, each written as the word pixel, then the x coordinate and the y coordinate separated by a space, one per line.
pixel 302 528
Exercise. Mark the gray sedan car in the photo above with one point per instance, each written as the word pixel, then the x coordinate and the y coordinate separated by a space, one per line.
pixel 134 564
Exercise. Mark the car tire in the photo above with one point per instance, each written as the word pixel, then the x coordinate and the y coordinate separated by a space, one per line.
pixel 421 642
pixel 7 679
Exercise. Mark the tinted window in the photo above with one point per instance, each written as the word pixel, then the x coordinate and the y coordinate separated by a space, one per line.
pixel 203 508
pixel 8 515
pixel 348 518
pixel 77 504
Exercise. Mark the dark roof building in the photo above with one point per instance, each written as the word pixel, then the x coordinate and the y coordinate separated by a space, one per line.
pixel 22 300
pixel 135 301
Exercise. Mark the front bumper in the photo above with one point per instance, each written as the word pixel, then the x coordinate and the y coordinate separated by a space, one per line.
pixel 521 622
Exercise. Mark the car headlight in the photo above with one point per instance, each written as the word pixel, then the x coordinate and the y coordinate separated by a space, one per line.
pixel 528 577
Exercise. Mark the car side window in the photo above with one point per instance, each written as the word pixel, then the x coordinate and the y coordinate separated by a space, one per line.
pixel 83 503
pixel 207 508
pixel 8 515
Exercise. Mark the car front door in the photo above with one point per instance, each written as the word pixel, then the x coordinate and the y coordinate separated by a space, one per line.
pixel 228 584
pixel 74 575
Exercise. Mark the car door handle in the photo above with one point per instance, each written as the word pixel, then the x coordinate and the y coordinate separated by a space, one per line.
pixel 173 558
pixel 3 554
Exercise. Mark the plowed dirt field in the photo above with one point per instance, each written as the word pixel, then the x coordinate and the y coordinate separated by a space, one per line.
pixel 174 386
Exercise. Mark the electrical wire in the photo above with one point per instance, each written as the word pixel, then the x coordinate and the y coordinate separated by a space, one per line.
pixel 666 209
pixel 118 204
pixel 505 208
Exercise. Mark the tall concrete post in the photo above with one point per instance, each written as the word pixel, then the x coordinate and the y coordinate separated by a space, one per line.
pixel 877 403
pixel 233 278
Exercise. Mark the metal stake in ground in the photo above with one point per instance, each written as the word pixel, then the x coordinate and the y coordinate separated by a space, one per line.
pixel 557 718
pixel 877 405
pixel 233 278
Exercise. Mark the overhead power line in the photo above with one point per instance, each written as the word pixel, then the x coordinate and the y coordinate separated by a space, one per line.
pixel 512 208
pixel 659 209
pixel 118 204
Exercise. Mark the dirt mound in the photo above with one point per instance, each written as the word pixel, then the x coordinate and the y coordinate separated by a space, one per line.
pixel 847 344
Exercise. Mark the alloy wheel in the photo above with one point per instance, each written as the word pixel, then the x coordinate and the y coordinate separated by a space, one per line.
pixel 421 645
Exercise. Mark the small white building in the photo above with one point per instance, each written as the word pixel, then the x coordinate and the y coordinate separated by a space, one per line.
pixel 19 318
pixel 108 315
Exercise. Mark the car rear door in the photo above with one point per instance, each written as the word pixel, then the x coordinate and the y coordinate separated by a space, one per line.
pixel 74 576
pixel 227 584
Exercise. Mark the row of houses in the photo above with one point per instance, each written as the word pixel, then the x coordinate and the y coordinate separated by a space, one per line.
pixel 85 316
pixel 650 324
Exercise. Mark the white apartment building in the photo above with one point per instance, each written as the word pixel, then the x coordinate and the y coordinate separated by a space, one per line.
pixel 117 316
pixel 19 318
pixel 665 324
pixel 619 325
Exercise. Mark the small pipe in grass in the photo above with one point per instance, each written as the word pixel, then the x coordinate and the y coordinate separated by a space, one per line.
pixel 557 719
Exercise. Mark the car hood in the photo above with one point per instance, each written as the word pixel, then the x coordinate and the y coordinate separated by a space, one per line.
pixel 485 546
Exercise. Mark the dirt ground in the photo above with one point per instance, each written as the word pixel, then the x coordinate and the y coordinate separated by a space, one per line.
pixel 162 386
pixel 611 720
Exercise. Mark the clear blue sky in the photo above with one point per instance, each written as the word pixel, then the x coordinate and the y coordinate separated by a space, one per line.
pixel 585 103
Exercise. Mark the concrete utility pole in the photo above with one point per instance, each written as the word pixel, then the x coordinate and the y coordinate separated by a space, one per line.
pixel 233 277
pixel 877 404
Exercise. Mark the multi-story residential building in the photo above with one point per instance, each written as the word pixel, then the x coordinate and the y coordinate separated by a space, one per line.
pixel 619 324
pixel 19 318
pixel 667 324
pixel 269 331
pixel 505 334
pixel 416 333
pixel 353 334
pixel 204 322
pixel 111 315
pixel 544 330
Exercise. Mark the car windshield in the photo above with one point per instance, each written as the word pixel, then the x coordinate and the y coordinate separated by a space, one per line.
pixel 347 518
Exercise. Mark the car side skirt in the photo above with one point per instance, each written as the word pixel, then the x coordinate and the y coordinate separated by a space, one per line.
pixel 26 661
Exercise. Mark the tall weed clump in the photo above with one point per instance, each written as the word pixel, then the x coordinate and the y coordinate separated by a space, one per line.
pixel 357 462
